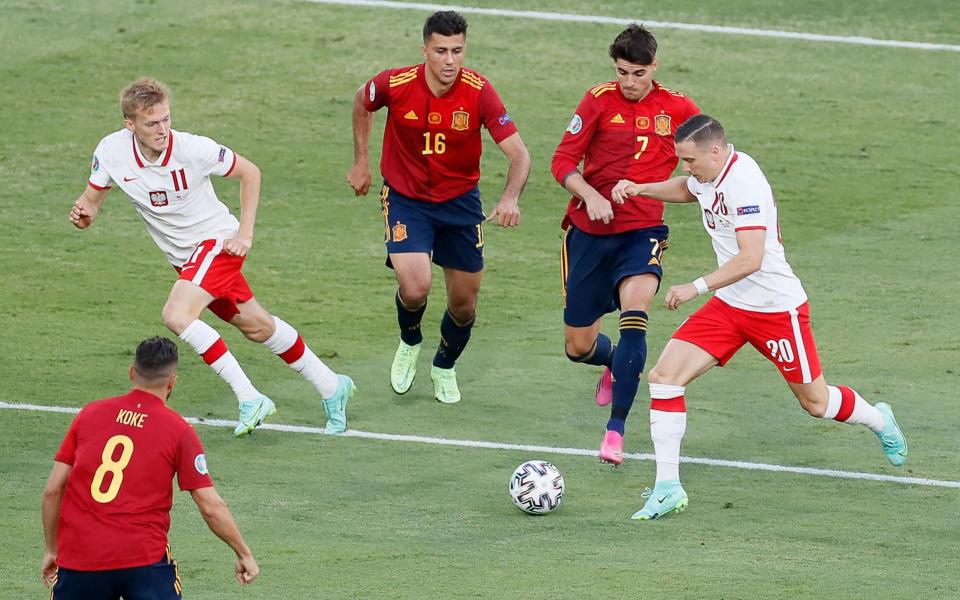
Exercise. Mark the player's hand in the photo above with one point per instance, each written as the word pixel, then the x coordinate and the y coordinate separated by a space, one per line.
pixel 239 245
pixel 599 209
pixel 678 294
pixel 359 179
pixel 506 212
pixel 48 569
pixel 247 569
pixel 82 214
pixel 623 190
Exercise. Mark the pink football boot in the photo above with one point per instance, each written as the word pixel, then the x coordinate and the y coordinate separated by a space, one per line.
pixel 611 450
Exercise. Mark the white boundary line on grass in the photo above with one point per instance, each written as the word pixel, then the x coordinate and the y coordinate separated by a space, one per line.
pixel 391 437
pixel 552 16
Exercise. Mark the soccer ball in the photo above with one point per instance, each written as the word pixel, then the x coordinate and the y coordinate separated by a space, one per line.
pixel 536 487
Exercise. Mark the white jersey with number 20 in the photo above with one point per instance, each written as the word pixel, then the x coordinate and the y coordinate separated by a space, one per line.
pixel 740 199
pixel 173 194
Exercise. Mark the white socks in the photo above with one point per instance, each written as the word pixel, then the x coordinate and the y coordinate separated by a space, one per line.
pixel 288 345
pixel 668 423
pixel 846 405
pixel 210 346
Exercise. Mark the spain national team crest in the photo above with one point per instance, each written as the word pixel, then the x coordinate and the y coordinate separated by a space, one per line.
pixel 461 120
pixel 642 122
pixel 661 124
pixel 399 232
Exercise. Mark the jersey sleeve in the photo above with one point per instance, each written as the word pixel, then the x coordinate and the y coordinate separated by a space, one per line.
pixel 68 447
pixel 99 178
pixel 376 92
pixel 750 200
pixel 209 156
pixel 690 109
pixel 494 115
pixel 576 139
pixel 191 462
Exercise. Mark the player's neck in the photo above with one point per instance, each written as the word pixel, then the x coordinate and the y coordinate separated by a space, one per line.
pixel 159 392
pixel 435 86
pixel 147 152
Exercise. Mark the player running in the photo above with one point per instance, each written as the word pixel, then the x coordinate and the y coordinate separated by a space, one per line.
pixel 759 301
pixel 106 505
pixel 166 173
pixel 430 200
pixel 611 253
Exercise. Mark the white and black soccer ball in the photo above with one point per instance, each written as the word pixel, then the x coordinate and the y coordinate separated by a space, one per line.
pixel 536 487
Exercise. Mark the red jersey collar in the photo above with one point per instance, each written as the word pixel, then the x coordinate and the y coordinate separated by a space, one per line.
pixel 653 90
pixel 726 167
pixel 422 78
pixel 141 160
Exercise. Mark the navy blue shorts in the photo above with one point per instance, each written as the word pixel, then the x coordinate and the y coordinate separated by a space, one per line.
pixel 451 231
pixel 592 267
pixel 159 581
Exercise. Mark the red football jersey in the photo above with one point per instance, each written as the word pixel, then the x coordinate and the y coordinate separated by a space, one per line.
pixel 431 145
pixel 619 139
pixel 115 512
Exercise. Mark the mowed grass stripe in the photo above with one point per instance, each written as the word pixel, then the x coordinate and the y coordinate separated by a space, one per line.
pixel 392 437
pixel 553 16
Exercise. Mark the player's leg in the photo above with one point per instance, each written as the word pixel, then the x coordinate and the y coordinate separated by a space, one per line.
pixel 414 277
pixel 258 325
pixel 181 314
pixel 409 238
pixel 85 585
pixel 586 275
pixel 455 328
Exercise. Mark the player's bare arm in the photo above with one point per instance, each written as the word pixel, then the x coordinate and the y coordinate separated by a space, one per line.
pixel 52 496
pixel 359 174
pixel 671 190
pixel 507 210
pixel 249 176
pixel 747 261
pixel 215 512
pixel 86 208
pixel 598 207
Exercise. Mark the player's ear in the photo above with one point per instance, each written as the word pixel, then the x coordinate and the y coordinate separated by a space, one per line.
pixel 127 124
pixel 132 373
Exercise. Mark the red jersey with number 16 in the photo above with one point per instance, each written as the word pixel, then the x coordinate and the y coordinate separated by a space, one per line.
pixel 432 145
pixel 124 451
pixel 619 139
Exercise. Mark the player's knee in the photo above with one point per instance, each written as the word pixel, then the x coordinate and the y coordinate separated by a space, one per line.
pixel 463 311
pixel 661 375
pixel 415 294
pixel 257 329
pixel 175 320
pixel 577 348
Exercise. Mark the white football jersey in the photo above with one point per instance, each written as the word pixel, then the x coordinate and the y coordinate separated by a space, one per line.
pixel 173 195
pixel 740 198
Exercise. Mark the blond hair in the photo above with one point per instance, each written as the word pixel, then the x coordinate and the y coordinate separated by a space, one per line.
pixel 142 94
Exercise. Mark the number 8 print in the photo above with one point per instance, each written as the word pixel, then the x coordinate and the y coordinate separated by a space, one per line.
pixel 108 465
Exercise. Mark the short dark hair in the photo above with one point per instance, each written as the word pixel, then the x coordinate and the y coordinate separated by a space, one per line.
pixel 157 358
pixel 445 23
pixel 700 129
pixel 635 45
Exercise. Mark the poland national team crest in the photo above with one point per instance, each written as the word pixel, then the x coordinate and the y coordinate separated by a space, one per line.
pixel 159 198
pixel 461 120
pixel 661 124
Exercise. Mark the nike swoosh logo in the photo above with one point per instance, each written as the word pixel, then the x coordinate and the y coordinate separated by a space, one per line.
pixel 662 498
pixel 788 369
pixel 129 179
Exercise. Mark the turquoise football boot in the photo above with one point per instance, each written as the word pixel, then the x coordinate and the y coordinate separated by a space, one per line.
pixel 336 405
pixel 252 414
pixel 666 497
pixel 891 438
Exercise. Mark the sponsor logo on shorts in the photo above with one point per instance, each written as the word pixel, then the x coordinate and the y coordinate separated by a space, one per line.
pixel 200 464
pixel 159 198
pixel 576 124
pixel 661 124
pixel 748 210
pixel 461 120
pixel 399 232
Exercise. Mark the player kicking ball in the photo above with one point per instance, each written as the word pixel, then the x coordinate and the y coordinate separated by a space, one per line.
pixel 758 301
pixel 166 173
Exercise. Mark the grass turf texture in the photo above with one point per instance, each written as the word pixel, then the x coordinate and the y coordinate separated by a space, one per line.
pixel 853 139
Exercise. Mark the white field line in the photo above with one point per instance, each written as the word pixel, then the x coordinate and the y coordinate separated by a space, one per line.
pixel 391 437
pixel 552 16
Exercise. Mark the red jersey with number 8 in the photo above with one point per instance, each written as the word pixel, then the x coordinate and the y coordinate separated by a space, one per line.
pixel 619 139
pixel 124 451
pixel 432 145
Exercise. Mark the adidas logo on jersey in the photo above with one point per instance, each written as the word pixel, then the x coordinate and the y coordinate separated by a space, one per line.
pixel 617 118
pixel 411 115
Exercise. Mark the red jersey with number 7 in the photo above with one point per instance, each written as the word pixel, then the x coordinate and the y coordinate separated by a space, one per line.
pixel 616 139
pixel 115 512
pixel 432 145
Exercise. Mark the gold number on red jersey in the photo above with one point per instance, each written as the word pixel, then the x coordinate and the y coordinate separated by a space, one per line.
pixel 438 145
pixel 642 140
pixel 115 467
